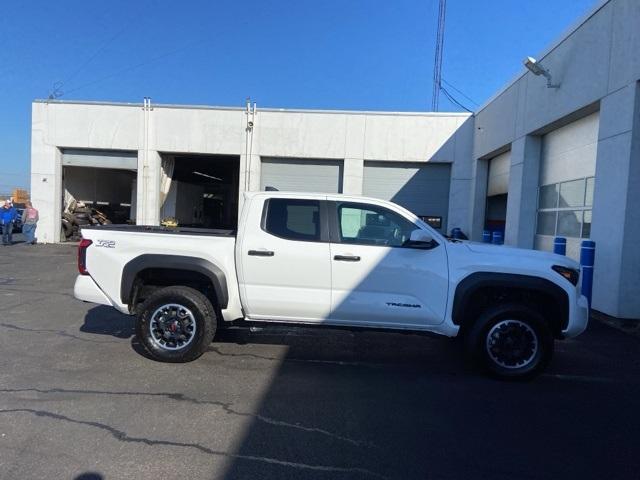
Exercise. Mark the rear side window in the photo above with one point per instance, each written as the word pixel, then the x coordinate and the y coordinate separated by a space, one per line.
pixel 293 219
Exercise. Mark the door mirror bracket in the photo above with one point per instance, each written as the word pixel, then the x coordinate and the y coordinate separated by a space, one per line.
pixel 421 239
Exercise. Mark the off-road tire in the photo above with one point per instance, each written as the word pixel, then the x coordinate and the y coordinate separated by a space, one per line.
pixel 480 348
pixel 204 315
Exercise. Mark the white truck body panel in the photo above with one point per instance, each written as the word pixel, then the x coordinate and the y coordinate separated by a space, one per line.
pixel 389 278
pixel 301 282
pixel 292 285
pixel 107 262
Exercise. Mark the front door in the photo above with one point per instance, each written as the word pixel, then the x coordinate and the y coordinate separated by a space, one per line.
pixel 377 279
pixel 285 267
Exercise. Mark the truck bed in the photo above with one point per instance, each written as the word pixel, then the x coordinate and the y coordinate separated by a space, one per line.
pixel 114 246
pixel 213 232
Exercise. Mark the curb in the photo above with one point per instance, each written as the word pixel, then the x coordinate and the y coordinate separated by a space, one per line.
pixel 629 326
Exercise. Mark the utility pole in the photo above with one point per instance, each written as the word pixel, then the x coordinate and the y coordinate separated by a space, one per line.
pixel 250 113
pixel 437 66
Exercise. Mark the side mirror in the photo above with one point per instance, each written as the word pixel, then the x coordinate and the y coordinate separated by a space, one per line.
pixel 421 239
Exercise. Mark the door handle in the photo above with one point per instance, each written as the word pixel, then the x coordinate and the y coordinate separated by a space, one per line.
pixel 347 258
pixel 261 253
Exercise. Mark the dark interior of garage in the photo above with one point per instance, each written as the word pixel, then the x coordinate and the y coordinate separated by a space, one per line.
pixel 496 213
pixel 94 196
pixel 203 191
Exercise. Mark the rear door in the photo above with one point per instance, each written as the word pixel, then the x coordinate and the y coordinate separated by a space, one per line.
pixel 377 279
pixel 285 269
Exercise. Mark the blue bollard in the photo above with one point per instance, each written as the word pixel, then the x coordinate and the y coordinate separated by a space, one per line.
pixel 486 236
pixel 587 257
pixel 497 237
pixel 560 245
pixel 456 233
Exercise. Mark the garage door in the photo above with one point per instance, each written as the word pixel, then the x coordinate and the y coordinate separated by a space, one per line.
pixel 565 197
pixel 499 168
pixel 100 159
pixel 497 189
pixel 301 175
pixel 98 186
pixel 570 152
pixel 423 189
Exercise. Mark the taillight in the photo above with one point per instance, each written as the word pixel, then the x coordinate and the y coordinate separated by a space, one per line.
pixel 82 256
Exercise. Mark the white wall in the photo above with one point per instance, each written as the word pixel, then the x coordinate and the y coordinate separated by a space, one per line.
pixel 599 57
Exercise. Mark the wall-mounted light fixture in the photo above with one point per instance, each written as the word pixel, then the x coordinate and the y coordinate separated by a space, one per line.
pixel 534 67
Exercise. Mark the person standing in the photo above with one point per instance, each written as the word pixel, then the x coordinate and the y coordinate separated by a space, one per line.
pixel 7 218
pixel 29 220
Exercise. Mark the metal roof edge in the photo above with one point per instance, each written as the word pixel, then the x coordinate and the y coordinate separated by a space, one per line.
pixel 264 109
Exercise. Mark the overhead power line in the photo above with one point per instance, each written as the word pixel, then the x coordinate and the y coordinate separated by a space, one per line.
pixel 138 65
pixel 58 86
pixel 452 87
pixel 453 99
pixel 97 52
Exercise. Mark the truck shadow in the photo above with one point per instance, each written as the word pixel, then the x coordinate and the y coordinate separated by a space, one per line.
pixel 103 320
pixel 424 352
pixel 358 405
pixel 363 348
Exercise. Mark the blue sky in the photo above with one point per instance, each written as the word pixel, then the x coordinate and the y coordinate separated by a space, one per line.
pixel 334 54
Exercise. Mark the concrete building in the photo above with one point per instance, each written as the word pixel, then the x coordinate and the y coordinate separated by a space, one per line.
pixel 534 161
pixel 566 160
pixel 167 161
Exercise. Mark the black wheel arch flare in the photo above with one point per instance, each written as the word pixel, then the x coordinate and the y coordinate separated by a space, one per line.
pixel 488 280
pixel 177 262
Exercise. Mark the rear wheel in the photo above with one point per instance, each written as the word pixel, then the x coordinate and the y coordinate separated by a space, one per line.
pixel 176 324
pixel 511 341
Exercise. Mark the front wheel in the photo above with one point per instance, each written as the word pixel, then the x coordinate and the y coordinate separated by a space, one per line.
pixel 176 324
pixel 511 341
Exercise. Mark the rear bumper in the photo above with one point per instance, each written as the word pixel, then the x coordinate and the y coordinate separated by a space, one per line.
pixel 87 290
pixel 578 317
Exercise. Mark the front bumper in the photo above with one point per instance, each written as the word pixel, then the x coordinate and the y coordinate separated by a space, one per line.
pixel 87 290
pixel 578 317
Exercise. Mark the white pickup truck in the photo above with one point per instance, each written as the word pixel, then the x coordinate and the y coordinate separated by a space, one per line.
pixel 335 260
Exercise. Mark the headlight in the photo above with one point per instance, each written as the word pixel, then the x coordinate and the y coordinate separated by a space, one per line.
pixel 570 274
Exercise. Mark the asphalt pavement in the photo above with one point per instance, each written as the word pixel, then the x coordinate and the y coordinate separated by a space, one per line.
pixel 78 400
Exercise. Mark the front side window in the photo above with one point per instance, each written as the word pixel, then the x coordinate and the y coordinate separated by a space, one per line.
pixel 371 225
pixel 293 219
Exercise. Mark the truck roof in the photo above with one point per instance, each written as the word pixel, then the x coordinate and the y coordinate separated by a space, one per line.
pixel 318 195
